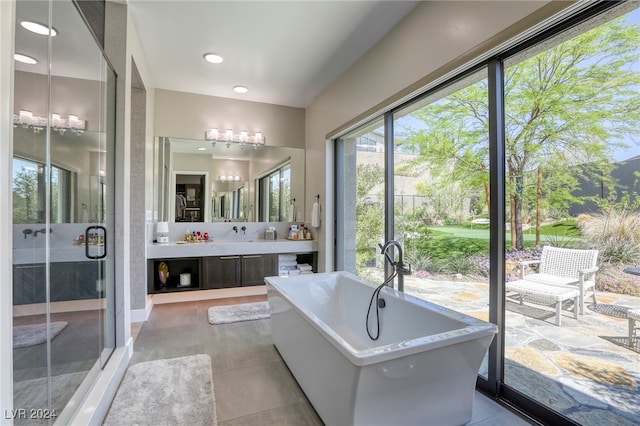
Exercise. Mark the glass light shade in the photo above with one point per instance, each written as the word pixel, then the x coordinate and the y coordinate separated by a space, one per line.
pixel 26 117
pixel 25 59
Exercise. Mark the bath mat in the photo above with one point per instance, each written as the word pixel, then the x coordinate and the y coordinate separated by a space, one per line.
pixel 176 391
pixel 240 312
pixel 34 334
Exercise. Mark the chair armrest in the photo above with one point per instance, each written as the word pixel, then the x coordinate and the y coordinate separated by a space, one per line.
pixel 524 263
pixel 587 272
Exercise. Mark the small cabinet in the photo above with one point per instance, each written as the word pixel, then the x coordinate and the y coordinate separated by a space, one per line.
pixel 256 267
pixel 222 272
pixel 174 275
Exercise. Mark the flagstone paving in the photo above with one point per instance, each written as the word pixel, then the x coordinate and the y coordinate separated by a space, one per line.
pixel 584 369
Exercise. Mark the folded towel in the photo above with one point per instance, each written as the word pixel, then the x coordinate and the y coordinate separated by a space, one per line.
pixel 305 267
pixel 288 268
pixel 315 215
pixel 306 272
pixel 294 272
pixel 287 263
pixel 287 257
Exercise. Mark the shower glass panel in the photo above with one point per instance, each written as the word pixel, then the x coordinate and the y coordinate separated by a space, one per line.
pixel 63 216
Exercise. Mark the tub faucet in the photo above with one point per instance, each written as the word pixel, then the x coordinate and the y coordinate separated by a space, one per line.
pixel 399 266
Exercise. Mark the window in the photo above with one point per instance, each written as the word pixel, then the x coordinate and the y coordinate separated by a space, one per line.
pixel 467 217
pixel 274 196
pixel 29 192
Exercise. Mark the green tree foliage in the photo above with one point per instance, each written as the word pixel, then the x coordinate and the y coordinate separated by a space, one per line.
pixel 25 197
pixel 569 105
pixel 369 213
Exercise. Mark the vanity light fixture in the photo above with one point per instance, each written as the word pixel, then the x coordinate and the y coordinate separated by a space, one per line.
pixel 25 59
pixel 224 178
pixel 26 119
pixel 201 148
pixel 38 28
pixel 213 58
pixel 229 137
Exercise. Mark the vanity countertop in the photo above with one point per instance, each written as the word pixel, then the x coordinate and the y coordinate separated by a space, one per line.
pixel 229 248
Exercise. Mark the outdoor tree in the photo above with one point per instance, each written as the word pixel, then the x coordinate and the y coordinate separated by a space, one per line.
pixel 567 106
pixel 25 186
pixel 368 211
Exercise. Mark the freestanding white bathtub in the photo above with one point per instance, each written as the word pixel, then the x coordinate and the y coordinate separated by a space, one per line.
pixel 421 371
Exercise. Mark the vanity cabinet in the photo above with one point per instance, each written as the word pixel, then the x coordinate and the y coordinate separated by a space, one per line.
pixel 239 271
pixel 256 267
pixel 222 272
pixel 69 281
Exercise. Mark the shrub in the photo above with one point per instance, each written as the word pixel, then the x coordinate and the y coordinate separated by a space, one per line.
pixel 620 286
pixel 615 233
pixel 461 265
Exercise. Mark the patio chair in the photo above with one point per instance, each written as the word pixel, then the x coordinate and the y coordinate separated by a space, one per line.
pixel 563 267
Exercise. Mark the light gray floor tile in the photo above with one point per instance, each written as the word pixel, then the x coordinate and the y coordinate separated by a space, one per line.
pixel 488 412
pixel 299 414
pixel 252 384
pixel 244 391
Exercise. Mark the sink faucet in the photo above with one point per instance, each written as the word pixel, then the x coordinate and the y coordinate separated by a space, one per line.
pixel 235 228
pixel 399 266
pixel 41 231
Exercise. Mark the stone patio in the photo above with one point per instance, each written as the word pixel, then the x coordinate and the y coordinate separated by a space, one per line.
pixel 584 369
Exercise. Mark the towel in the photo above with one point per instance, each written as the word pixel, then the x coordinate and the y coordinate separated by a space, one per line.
pixel 287 263
pixel 305 267
pixel 315 215
pixel 282 257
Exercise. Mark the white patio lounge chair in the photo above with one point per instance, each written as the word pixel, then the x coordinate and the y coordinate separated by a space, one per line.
pixel 572 268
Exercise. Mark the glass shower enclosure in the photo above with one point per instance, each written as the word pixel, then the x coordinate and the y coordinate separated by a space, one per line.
pixel 63 211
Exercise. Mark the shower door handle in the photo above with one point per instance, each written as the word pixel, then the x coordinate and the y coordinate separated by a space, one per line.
pixel 100 240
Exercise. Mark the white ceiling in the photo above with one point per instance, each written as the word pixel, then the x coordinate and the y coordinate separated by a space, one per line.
pixel 285 52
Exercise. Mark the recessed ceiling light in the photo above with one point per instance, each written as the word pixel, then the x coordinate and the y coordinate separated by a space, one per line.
pixel 213 58
pixel 25 59
pixel 201 148
pixel 38 28
pixel 240 89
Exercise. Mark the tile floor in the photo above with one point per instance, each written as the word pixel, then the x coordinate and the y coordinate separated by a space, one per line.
pixel 251 382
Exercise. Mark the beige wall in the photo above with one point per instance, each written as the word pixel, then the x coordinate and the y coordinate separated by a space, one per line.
pixel 188 116
pixel 434 39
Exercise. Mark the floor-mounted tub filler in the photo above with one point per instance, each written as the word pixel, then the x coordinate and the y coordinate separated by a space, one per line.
pixel 421 370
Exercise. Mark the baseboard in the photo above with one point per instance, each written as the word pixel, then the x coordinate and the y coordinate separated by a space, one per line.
pixel 197 295
pixel 141 315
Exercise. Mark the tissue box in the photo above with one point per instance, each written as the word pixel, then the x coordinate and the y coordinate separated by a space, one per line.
pixel 270 234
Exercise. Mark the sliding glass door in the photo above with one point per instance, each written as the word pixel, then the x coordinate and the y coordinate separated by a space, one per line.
pixel 536 151
pixel 63 201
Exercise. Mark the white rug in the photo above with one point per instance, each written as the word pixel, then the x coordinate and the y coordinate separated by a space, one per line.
pixel 177 391
pixel 240 312
pixel 34 334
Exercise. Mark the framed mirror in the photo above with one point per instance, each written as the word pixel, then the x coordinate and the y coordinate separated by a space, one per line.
pixel 227 182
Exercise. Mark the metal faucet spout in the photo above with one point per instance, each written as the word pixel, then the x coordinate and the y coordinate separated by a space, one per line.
pixel 398 265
